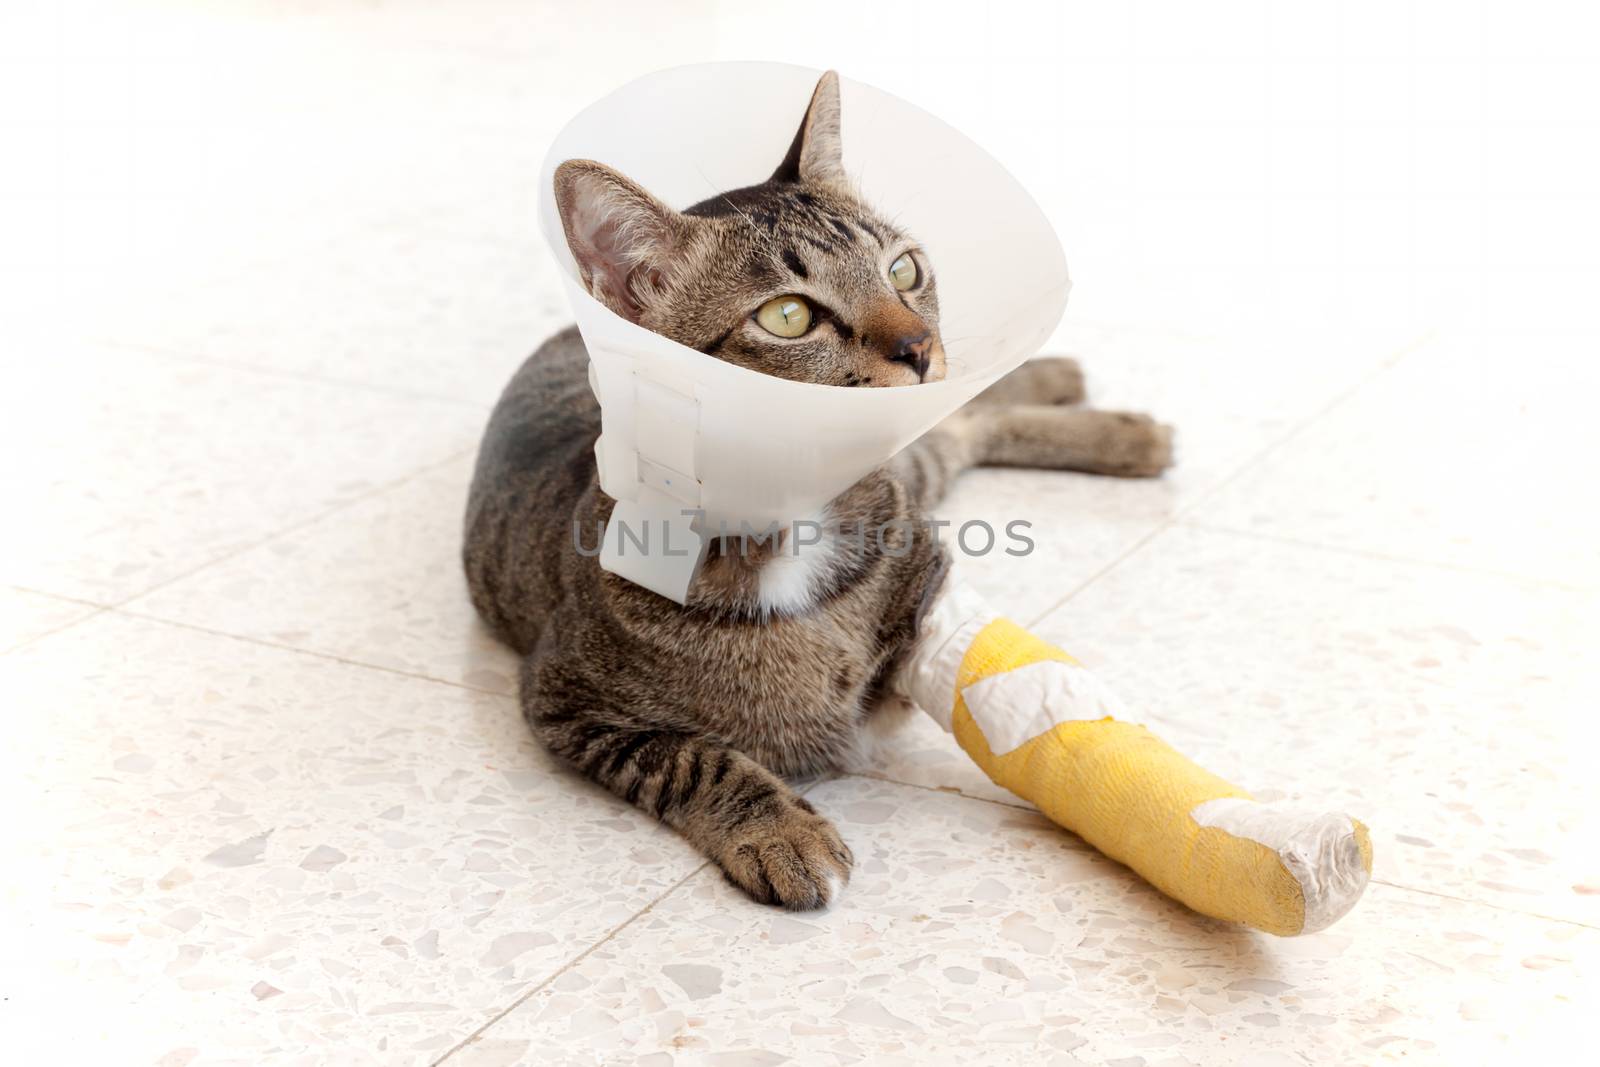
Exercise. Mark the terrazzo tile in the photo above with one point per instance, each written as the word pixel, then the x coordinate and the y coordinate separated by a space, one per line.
pixel 139 468
pixel 225 853
pixel 315 588
pixel 1229 399
pixel 396 306
pixel 1076 524
pixel 1469 452
pixel 1448 710
pixel 915 750
pixel 379 582
pixel 971 932
pixel 25 616
pixel 243 854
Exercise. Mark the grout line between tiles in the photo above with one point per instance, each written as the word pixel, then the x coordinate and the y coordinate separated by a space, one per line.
pixel 56 596
pixel 331 656
pixel 874 776
pixel 1492 906
pixel 99 609
pixel 1508 909
pixel 376 490
pixel 1102 571
pixel 1344 396
pixel 289 374
pixel 1182 518
pixel 55 629
pixel 237 270
pixel 1415 561
pixel 573 962
pixel 1383 367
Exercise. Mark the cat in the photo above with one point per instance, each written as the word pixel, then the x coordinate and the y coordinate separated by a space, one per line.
pixel 776 666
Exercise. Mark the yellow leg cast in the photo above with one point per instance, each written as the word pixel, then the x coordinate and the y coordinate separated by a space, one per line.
pixel 1041 725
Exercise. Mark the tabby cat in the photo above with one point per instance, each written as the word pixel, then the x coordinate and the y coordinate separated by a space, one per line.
pixel 777 665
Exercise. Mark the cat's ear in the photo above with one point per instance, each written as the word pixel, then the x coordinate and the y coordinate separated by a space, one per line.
pixel 622 237
pixel 817 154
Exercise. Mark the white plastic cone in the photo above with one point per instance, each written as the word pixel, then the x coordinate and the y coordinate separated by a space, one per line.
pixel 682 431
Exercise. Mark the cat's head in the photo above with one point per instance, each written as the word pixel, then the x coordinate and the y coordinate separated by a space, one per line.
pixel 794 277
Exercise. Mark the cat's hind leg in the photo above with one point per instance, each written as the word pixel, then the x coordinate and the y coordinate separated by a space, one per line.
pixel 1077 439
pixel 1029 419
pixel 767 839
pixel 1045 380
pixel 1118 443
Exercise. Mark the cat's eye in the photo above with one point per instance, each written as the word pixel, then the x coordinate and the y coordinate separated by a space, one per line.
pixel 787 316
pixel 903 272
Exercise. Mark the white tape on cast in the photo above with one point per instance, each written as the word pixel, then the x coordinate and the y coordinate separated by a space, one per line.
pixel 1319 849
pixel 1015 707
pixel 928 678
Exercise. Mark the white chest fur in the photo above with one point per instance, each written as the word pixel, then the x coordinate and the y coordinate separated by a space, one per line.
pixel 793 579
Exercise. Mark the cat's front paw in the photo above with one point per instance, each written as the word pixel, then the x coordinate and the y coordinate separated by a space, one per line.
pixel 795 859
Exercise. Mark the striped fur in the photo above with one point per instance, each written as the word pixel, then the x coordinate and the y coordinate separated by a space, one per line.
pixel 774 669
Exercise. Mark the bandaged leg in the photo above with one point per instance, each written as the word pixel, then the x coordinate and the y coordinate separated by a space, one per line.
pixel 1042 726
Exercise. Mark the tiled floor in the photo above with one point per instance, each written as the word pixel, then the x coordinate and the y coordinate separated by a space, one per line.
pixel 269 799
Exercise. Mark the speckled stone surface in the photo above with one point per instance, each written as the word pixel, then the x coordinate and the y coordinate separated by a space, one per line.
pixel 973 932
pixel 1433 704
pixel 382 305
pixel 143 467
pixel 378 582
pixel 325 856
pixel 25 616
pixel 268 798
pixel 1230 399
pixel 1430 703
pixel 1440 461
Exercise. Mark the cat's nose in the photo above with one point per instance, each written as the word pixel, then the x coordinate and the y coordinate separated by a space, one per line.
pixel 914 353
